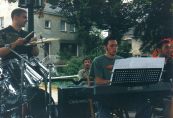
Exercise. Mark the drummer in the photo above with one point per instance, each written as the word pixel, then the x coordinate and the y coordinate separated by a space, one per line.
pixel 16 38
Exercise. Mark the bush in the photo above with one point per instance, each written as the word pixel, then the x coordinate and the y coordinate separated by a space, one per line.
pixel 73 66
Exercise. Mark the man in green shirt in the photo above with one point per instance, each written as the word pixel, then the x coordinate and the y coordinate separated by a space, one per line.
pixel 101 71
pixel 101 68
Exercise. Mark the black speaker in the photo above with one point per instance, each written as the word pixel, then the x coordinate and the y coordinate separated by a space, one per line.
pixel 74 109
pixel 73 102
pixel 28 3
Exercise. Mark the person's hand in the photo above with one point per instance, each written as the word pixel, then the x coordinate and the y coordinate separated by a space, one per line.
pixel 19 41
pixel 34 39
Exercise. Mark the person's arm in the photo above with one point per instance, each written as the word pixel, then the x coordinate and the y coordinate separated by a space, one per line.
pixel 80 74
pixel 5 50
pixel 96 72
pixel 100 81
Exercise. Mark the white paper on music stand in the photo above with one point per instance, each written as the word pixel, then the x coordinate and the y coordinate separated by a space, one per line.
pixel 139 62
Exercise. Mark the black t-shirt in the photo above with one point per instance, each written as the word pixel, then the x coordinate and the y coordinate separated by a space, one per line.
pixel 9 35
pixel 168 70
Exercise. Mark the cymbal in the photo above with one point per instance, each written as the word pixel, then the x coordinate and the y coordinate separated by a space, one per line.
pixel 42 41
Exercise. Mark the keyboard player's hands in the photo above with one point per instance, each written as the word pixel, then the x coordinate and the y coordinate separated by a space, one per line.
pixel 100 81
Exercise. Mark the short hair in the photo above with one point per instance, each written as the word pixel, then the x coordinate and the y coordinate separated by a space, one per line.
pixel 87 58
pixel 164 41
pixel 17 12
pixel 107 39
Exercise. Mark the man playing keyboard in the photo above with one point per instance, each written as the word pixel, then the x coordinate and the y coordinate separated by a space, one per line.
pixel 101 70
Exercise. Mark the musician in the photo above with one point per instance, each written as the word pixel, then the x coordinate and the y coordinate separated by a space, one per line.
pixel 14 36
pixel 102 65
pixel 165 49
pixel 101 71
pixel 84 73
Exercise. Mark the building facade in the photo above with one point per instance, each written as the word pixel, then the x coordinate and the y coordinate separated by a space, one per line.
pixel 62 35
pixel 5 11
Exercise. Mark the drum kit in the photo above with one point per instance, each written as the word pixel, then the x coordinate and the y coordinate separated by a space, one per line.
pixel 19 84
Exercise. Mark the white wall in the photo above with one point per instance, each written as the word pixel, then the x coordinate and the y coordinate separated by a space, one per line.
pixel 5 11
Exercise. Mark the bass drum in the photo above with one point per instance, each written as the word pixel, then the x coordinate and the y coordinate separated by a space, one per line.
pixel 9 90
pixel 9 95
pixel 35 107
pixel 38 104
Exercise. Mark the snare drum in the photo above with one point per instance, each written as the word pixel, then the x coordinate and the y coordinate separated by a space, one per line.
pixel 31 76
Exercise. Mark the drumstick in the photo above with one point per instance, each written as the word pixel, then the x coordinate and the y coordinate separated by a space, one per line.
pixel 28 35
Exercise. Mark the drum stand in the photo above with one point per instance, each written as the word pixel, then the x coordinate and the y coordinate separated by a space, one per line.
pixel 49 82
pixel 23 94
pixel 50 90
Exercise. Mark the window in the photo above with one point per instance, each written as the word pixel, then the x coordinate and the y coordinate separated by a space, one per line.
pixel 63 25
pixel 1 22
pixel 72 28
pixel 47 24
pixel 69 49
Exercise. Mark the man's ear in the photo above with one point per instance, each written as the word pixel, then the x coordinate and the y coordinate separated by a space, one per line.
pixel 14 18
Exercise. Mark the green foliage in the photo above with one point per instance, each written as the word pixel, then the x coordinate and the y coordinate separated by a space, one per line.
pixel 124 49
pixel 73 66
pixel 103 14
pixel 90 41
pixel 155 23
pixel 152 19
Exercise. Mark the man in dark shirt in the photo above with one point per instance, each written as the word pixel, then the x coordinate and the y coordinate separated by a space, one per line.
pixel 165 49
pixel 14 36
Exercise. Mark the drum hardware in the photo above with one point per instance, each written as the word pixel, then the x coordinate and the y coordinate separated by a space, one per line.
pixel 41 41
pixel 32 76
pixel 23 94
pixel 28 74
pixel 50 66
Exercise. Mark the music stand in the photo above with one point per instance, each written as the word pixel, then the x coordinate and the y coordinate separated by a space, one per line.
pixel 137 75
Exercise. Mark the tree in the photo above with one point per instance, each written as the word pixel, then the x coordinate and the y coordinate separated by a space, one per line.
pixel 151 18
pixel 95 14
pixel 103 14
pixel 155 23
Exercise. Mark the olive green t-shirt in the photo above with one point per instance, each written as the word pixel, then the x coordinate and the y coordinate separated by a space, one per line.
pixel 102 67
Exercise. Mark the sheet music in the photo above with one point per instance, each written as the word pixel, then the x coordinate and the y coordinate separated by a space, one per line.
pixel 139 62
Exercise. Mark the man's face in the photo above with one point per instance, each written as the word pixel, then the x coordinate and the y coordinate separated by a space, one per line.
pixel 111 47
pixel 87 64
pixel 21 20
pixel 167 50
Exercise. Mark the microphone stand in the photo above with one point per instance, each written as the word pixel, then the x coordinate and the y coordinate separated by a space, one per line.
pixel 45 80
pixel 50 90
pixel 23 94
